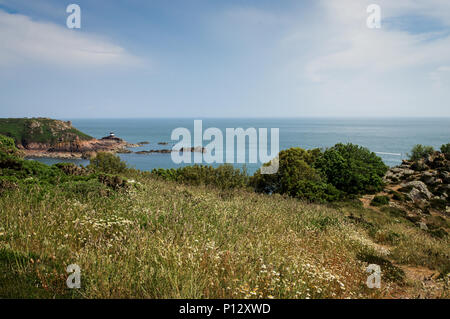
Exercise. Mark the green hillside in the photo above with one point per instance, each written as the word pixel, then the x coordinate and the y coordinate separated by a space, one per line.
pixel 139 235
pixel 39 130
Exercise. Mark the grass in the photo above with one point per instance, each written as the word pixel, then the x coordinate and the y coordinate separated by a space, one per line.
pixel 162 239
pixel 408 243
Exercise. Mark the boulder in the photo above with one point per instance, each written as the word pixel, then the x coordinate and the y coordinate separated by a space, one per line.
pixel 419 191
pixel 423 226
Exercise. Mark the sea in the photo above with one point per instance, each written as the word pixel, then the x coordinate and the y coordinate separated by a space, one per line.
pixel 389 138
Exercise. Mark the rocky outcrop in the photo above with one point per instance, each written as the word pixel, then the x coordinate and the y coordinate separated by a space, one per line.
pixel 44 137
pixel 183 149
pixel 193 149
pixel 418 190
pixel 425 182
pixel 163 151
pixel 76 148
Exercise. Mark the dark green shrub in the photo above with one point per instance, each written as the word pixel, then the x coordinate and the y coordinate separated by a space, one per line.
pixel 419 166
pixel 7 145
pixel 352 169
pixel 380 201
pixel 90 188
pixel 438 233
pixel 394 211
pixel 71 169
pixel 316 191
pixel 227 177
pixel 405 189
pixel 439 204
pixel 223 176
pixel 21 169
pixel 399 196
pixel 296 177
pixel 420 151
pixel 107 163
pixel 114 181
pixel 295 164
pixel 445 149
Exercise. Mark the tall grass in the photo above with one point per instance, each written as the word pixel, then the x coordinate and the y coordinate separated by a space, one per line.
pixel 165 240
pixel 162 239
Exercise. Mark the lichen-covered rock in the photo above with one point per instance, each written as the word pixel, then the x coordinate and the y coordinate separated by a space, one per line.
pixel 419 191
pixel 422 181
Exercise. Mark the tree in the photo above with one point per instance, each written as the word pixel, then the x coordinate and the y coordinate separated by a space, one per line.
pixel 420 151
pixel 352 169
pixel 107 163
pixel 296 177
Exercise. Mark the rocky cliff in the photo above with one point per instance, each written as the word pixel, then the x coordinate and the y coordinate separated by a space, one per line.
pixel 43 137
pixel 418 191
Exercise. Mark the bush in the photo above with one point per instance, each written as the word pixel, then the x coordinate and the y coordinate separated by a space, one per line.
pixel 21 169
pixel 439 204
pixel 90 188
pixel 7 145
pixel 352 169
pixel 71 169
pixel 107 163
pixel 296 177
pixel 316 192
pixel 114 181
pixel 380 201
pixel 445 149
pixel 224 176
pixel 399 196
pixel 420 151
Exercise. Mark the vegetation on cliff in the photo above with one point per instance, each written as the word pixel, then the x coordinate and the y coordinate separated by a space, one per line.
pixel 341 171
pixel 25 131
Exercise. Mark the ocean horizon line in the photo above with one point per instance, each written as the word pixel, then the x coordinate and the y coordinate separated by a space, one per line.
pixel 248 117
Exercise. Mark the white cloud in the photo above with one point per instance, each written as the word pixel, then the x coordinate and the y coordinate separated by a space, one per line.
pixel 324 60
pixel 354 47
pixel 26 41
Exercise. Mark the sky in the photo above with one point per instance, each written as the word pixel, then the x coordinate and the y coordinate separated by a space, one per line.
pixel 207 58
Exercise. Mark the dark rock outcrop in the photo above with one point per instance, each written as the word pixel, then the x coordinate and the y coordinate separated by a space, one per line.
pixel 425 182
pixel 183 149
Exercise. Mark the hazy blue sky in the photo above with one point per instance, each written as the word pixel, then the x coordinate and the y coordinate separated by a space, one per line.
pixel 247 58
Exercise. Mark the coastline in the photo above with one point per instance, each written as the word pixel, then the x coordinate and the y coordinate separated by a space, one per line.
pixel 57 155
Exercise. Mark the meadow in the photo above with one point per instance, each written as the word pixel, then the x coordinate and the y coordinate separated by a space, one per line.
pixel 161 239
pixel 139 235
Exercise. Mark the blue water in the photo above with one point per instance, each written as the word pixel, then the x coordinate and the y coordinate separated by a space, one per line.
pixel 386 135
